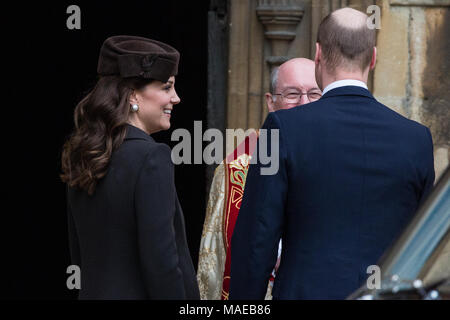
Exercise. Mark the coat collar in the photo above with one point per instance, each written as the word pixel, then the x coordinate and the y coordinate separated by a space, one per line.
pixel 136 133
pixel 348 91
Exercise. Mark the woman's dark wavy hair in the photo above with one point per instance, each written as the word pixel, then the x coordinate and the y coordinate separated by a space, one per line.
pixel 100 128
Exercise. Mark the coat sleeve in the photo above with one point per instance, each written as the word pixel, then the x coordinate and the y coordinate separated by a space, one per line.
pixel 428 167
pixel 258 228
pixel 74 244
pixel 155 200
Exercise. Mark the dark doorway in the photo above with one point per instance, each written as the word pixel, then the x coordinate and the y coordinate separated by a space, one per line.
pixel 38 249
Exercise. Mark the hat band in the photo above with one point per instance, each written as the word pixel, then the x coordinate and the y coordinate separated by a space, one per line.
pixel 150 66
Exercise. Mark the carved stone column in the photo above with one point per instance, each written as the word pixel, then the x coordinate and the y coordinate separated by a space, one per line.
pixel 280 20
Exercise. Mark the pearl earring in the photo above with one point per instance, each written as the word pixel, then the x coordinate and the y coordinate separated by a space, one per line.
pixel 134 108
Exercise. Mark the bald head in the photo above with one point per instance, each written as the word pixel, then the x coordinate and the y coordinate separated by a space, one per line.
pixel 349 18
pixel 345 40
pixel 298 68
pixel 295 75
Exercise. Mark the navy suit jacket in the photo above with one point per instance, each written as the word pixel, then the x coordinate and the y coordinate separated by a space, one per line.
pixel 352 173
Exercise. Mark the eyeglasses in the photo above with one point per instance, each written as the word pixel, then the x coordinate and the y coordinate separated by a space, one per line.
pixel 295 96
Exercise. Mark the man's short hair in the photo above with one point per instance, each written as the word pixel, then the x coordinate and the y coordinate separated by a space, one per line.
pixel 274 80
pixel 345 47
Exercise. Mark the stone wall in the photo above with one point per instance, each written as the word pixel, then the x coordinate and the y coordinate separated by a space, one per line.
pixel 412 75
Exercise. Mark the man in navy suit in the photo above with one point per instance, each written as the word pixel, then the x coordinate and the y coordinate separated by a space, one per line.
pixel 351 174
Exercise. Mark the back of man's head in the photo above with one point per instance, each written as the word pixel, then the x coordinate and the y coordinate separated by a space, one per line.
pixel 346 41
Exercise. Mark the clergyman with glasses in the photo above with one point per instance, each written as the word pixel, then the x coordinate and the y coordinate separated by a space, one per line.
pixel 292 84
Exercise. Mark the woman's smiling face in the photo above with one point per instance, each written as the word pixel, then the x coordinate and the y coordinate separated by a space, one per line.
pixel 155 101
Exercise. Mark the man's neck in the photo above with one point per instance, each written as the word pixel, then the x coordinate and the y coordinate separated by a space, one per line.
pixel 343 75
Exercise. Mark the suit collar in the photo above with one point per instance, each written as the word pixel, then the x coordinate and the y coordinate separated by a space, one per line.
pixel 348 91
pixel 136 133
pixel 343 83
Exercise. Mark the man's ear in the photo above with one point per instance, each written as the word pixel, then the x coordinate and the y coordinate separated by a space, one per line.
pixel 374 59
pixel 318 55
pixel 269 102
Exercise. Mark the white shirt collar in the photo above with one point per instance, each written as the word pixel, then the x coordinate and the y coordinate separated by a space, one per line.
pixel 342 83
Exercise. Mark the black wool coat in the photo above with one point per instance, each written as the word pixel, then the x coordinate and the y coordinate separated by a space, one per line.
pixel 128 238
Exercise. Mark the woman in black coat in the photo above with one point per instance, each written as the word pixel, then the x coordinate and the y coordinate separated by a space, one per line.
pixel 126 226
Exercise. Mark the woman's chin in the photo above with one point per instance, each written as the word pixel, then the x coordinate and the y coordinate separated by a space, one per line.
pixel 166 125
